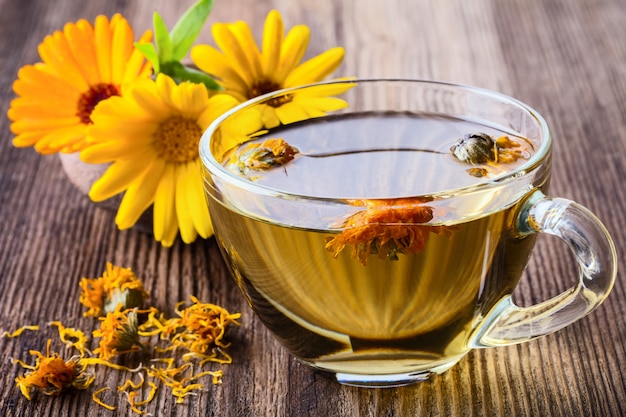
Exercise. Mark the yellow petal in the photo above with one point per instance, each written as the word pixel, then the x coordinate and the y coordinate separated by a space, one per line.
pixel 323 104
pixel 190 98
pixel 213 62
pixel 217 105
pixel 165 222
pixel 33 82
pixel 122 48
pixel 27 107
pixel 183 210
pixel 291 113
pixel 30 124
pixel 315 69
pixel 165 89
pixel 57 56
pixel 273 34
pixel 103 41
pixel 292 51
pixel 119 176
pixel 137 65
pixel 139 196
pixel 196 201
pixel 235 52
pixel 64 139
pixel 80 37
pixel 244 36
pixel 26 139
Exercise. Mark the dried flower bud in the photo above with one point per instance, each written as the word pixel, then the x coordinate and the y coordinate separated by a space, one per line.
pixel 262 156
pixel 475 148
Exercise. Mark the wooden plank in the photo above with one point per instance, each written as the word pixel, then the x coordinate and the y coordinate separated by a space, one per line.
pixel 566 58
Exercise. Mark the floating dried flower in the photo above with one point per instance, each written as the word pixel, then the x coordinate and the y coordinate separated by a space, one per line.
pixel 118 332
pixel 482 149
pixel 386 228
pixel 81 66
pixel 51 374
pixel 150 136
pixel 259 156
pixel 116 286
pixel 247 71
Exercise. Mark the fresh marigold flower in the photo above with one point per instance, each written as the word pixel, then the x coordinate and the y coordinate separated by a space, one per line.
pixel 387 228
pixel 51 374
pixel 118 332
pixel 247 71
pixel 81 66
pixel 150 135
pixel 116 286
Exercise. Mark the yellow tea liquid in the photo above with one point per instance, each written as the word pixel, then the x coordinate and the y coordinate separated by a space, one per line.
pixel 384 316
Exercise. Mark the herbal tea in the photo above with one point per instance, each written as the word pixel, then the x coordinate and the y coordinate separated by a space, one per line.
pixel 389 276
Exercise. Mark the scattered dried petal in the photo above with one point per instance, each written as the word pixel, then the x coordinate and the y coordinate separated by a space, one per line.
pixel 95 397
pixel 18 332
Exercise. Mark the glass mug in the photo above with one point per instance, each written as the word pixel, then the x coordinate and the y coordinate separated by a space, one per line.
pixel 379 235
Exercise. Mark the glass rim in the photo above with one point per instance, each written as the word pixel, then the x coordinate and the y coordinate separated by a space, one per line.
pixel 217 169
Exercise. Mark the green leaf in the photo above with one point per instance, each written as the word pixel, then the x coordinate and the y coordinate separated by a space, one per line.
pixel 151 54
pixel 188 27
pixel 179 73
pixel 162 38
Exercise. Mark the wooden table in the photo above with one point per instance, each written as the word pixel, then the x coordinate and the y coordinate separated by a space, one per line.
pixel 565 58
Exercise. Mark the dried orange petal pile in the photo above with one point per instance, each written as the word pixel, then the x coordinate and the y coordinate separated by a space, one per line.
pixel 115 299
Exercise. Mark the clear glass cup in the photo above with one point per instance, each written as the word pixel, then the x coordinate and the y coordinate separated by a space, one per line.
pixel 380 234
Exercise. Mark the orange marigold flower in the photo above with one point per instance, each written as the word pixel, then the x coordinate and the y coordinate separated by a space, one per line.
pixel 81 66
pixel 116 286
pixel 387 228
pixel 51 374
pixel 118 332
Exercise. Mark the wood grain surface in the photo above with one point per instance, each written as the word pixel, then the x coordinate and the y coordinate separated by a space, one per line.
pixel 565 58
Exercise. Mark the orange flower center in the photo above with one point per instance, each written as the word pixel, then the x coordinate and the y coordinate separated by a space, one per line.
pixel 268 86
pixel 177 138
pixel 88 100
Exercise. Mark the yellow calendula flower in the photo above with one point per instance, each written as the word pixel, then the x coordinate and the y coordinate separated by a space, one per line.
pixel 51 374
pixel 81 66
pixel 116 286
pixel 150 135
pixel 247 71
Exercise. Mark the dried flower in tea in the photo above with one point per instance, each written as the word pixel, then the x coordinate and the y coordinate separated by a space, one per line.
pixel 386 228
pixel 482 149
pixel 262 156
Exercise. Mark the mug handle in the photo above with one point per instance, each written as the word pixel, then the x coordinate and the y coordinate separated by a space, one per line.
pixel 597 262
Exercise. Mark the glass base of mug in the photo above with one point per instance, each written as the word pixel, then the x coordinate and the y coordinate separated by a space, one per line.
pixel 387 380
pixel 382 381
